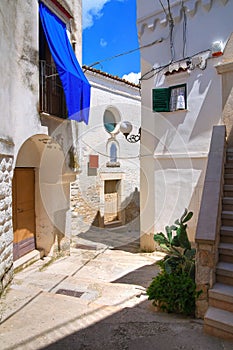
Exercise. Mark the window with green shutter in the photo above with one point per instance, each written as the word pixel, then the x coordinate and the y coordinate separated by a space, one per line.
pixel 169 99
pixel 161 98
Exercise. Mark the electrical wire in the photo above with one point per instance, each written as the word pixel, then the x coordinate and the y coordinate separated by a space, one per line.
pixel 125 53
pixel 106 155
pixel 171 30
pixel 157 41
pixel 184 28
pixel 163 7
pixel 171 27
pixel 159 69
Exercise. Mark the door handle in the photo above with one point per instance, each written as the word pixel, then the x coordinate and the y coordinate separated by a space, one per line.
pixel 19 210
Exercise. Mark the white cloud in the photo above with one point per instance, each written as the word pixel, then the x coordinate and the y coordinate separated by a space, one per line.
pixel 91 10
pixel 103 42
pixel 132 77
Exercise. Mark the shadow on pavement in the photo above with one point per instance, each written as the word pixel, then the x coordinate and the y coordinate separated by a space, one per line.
pixel 140 328
pixel 119 238
pixel 137 277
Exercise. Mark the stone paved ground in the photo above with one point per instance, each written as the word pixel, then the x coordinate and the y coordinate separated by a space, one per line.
pixel 94 299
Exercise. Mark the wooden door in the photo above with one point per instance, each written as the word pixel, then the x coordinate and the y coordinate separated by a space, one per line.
pixel 111 201
pixel 23 201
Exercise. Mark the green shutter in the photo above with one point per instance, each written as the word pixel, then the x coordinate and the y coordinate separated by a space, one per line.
pixel 161 98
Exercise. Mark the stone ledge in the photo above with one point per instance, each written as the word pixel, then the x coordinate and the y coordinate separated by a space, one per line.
pixel 27 259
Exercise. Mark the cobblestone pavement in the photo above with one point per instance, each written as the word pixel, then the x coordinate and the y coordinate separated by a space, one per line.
pixel 95 299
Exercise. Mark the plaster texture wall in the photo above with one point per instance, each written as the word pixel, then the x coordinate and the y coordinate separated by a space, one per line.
pixel 22 133
pixel 87 193
pixel 175 145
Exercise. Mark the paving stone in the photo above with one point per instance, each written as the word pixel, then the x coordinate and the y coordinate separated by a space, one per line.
pixel 94 299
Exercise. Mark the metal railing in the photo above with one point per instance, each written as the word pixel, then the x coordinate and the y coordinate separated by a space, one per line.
pixel 52 98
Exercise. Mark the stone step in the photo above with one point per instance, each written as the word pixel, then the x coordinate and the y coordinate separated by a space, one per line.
pixel 228 168
pixel 228 190
pixel 227 214
pixel 229 156
pixel 226 248
pixel 224 273
pixel 221 296
pixel 227 218
pixel 226 252
pixel 227 200
pixel 219 323
pixel 228 178
pixel 115 223
pixel 226 233
pixel 227 203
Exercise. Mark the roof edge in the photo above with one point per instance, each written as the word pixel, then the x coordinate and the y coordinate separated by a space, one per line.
pixel 114 77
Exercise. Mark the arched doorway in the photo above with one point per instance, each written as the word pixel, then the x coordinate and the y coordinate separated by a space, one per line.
pixel 40 196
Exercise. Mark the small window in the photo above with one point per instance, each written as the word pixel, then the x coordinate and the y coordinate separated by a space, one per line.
pixel 170 99
pixel 109 121
pixel 113 153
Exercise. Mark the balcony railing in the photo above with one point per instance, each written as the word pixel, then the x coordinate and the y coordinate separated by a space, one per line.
pixel 52 98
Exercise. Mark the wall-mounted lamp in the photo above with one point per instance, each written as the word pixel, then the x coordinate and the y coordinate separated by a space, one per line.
pixel 126 128
pixel 217 48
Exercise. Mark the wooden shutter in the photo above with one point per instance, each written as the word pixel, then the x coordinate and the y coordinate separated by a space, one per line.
pixel 161 99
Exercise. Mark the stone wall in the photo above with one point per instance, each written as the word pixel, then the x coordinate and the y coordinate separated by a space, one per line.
pixel 6 229
pixel 84 207
pixel 206 260
pixel 87 207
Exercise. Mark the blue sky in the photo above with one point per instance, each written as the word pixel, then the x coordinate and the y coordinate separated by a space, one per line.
pixel 109 29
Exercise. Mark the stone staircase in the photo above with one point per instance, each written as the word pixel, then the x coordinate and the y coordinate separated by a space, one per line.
pixel 218 320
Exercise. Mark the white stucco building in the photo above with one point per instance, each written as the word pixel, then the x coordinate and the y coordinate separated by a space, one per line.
pixel 35 140
pixel 106 192
pixel 184 94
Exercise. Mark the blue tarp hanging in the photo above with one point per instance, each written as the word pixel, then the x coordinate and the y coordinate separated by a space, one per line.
pixel 76 86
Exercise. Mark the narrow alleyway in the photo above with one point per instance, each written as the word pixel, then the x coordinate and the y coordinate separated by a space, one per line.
pixel 94 299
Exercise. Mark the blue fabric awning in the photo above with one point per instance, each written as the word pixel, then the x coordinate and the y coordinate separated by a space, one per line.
pixel 76 86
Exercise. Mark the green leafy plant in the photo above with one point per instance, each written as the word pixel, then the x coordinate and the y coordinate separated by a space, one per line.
pixel 173 293
pixel 174 289
pixel 180 255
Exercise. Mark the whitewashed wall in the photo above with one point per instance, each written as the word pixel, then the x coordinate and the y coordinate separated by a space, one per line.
pixel 21 126
pixel 87 192
pixel 175 144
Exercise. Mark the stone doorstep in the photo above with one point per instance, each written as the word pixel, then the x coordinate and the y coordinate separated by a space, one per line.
pixel 27 259
pixel 219 319
pixel 112 224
